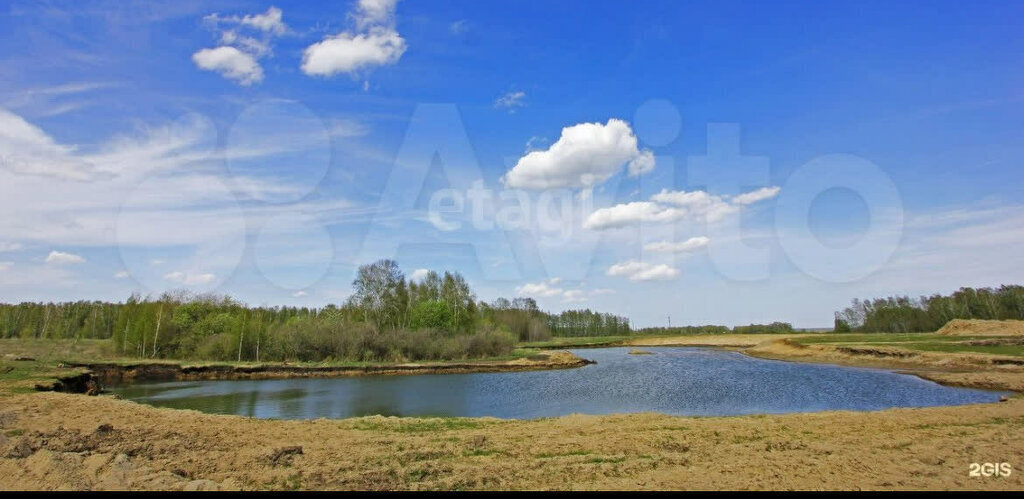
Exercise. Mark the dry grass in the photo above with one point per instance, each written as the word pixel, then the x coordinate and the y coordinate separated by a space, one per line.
pixel 61 445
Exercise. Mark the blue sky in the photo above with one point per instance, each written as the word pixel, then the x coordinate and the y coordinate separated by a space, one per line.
pixel 266 149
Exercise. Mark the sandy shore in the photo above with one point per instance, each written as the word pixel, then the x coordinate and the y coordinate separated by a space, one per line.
pixel 68 441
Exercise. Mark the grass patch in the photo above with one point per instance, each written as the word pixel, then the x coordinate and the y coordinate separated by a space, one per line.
pixel 547 455
pixel 610 460
pixel 482 452
pixel 1011 350
pixel 420 426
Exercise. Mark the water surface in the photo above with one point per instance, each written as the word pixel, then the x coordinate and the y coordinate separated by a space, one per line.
pixel 674 380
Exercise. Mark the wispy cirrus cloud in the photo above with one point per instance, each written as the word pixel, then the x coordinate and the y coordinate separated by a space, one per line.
pixel 511 101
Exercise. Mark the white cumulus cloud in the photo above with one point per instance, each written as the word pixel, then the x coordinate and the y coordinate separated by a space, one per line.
pixel 374 42
pixel 350 52
pixel 585 155
pixel 62 258
pixel 230 63
pixel 418 274
pixel 243 41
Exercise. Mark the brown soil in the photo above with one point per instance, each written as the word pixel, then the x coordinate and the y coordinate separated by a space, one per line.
pixel 106 373
pixel 977 327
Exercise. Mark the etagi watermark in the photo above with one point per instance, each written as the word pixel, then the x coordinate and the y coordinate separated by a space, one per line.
pixel 550 211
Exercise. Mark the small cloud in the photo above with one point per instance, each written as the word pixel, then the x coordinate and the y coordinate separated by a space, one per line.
pixel 511 101
pixel 237 56
pixel 691 244
pixel 269 22
pixel 669 206
pixel 573 296
pixel 543 289
pixel 299 294
pixel 157 261
pixel 631 213
pixel 5 265
pixel 755 196
pixel 643 271
pixel 189 279
pixel 553 288
pixel 123 274
pixel 351 52
pixel 62 258
pixel 535 143
pixel 8 247
pixel 348 128
pixel 374 42
pixel 459 27
pixel 230 63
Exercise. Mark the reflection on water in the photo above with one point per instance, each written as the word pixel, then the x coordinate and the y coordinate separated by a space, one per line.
pixel 682 381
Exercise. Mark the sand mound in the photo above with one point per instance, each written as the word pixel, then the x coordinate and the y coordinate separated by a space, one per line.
pixel 978 327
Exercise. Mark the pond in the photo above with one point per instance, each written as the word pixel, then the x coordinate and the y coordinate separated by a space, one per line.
pixel 672 380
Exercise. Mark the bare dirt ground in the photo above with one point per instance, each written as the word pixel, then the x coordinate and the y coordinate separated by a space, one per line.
pixel 976 327
pixel 126 372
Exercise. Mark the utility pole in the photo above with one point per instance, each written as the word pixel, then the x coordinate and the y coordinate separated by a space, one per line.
pixel 670 321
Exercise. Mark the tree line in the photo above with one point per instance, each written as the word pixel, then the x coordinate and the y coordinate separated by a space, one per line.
pixel 387 318
pixel 903 314
pixel 774 327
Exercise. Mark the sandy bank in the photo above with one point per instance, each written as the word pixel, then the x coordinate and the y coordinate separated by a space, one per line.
pixel 978 327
